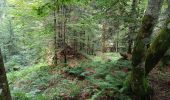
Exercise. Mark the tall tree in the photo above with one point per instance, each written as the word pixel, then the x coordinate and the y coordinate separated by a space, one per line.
pixel 142 42
pixel 4 88
pixel 64 32
pixel 55 35
pixel 132 27
pixel 160 45
pixel 55 38
pixel 104 33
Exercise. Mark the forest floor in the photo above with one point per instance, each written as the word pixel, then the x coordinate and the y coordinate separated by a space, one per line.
pixel 160 81
pixel 98 79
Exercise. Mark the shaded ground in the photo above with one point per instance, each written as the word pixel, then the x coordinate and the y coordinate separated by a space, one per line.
pixel 160 81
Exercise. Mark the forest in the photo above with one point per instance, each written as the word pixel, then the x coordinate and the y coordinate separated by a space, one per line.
pixel 84 49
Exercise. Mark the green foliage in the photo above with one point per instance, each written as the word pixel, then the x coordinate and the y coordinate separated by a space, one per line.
pixel 27 34
pixel 19 94
pixel 13 76
pixel 41 84
pixel 107 77
pixel 45 82
pixel 76 71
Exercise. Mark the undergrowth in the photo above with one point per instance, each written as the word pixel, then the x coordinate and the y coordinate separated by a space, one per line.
pixel 93 79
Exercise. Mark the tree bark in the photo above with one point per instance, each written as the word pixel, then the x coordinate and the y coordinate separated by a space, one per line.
pixel 64 32
pixel 60 28
pixel 138 82
pixel 4 88
pixel 82 43
pixel 133 26
pixel 2 11
pixel 159 46
pixel 55 39
pixel 104 38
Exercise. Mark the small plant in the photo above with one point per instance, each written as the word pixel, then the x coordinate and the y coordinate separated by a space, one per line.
pixel 77 72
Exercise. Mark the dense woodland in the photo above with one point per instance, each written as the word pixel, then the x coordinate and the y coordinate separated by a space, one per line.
pixel 84 50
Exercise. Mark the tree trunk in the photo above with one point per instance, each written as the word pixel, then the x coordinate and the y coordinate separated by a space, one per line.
pixel 138 82
pixel 55 39
pixel 159 46
pixel 64 32
pixel 75 41
pixel 60 36
pixel 82 42
pixel 104 38
pixel 2 10
pixel 117 37
pixel 132 26
pixel 4 88
pixel 117 42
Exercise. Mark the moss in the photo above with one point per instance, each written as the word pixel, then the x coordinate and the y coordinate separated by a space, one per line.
pixel 140 45
pixel 146 85
pixel 140 88
pixel 138 52
pixel 157 49
pixel 139 83
pixel 147 26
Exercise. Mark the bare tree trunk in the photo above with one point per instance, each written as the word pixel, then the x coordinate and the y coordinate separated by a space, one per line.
pixel 75 41
pixel 4 88
pixel 2 13
pixel 138 81
pixel 132 26
pixel 82 36
pixel 104 38
pixel 117 41
pixel 55 36
pixel 55 39
pixel 117 35
pixel 60 36
pixel 64 32
pixel 88 44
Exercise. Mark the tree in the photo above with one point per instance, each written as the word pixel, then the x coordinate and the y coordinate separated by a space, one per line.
pixel 55 37
pixel 4 88
pixel 159 46
pixel 138 82
pixel 132 27
pixel 104 33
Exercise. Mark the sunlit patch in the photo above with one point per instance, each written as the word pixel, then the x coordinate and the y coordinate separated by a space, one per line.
pixel 0 91
pixel 168 26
